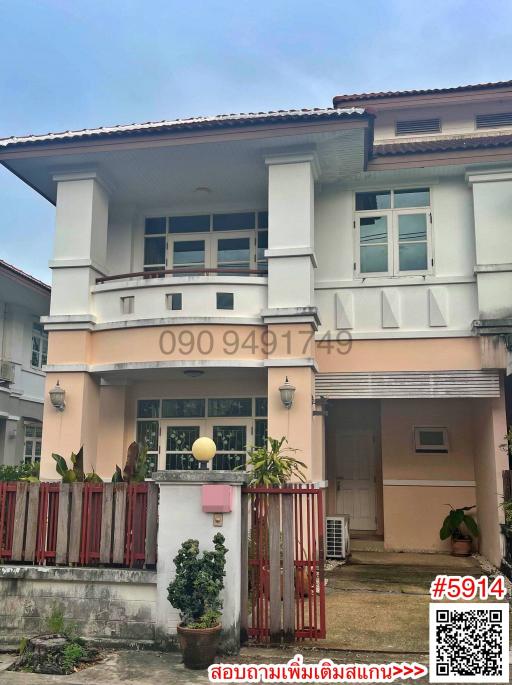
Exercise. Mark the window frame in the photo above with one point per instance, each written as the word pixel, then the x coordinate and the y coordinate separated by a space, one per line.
pixel 203 421
pixel 370 214
pixel 393 214
pixel 210 237
pixel 42 336
pixel 33 458
pixel 419 448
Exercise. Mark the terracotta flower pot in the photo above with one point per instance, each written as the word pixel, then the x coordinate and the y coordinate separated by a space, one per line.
pixel 199 645
pixel 461 547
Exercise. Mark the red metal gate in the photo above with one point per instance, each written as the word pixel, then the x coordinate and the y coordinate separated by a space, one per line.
pixel 283 589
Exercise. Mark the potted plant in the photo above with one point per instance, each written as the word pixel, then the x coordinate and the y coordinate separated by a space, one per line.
pixel 195 593
pixel 461 528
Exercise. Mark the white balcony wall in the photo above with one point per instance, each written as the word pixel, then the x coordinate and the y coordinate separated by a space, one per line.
pixel 199 298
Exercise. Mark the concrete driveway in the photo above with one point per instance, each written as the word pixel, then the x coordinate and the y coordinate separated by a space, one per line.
pixel 379 601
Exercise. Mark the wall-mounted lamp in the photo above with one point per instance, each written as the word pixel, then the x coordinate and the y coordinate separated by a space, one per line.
pixel 57 395
pixel 287 391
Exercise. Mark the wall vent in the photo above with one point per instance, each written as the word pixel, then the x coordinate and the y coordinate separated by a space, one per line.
pixel 412 127
pixel 337 537
pixel 493 120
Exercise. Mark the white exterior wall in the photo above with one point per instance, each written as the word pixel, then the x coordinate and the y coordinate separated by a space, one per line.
pixel 492 197
pixel 306 221
pixel 414 299
pixel 199 298
pixel 181 517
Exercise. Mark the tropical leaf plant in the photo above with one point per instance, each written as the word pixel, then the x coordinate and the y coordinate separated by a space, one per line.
pixel 75 474
pixel 272 465
pixel 136 466
pixel 458 525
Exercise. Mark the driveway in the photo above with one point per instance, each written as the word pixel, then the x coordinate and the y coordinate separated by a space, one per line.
pixel 379 601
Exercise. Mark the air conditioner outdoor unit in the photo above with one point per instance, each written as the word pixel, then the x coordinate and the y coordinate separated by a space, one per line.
pixel 337 537
pixel 6 372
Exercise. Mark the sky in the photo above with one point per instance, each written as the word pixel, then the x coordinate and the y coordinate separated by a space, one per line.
pixel 72 64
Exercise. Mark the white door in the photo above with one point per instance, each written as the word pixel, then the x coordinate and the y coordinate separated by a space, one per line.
pixel 355 478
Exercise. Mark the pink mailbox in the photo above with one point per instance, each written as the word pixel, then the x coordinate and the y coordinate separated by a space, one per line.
pixel 217 499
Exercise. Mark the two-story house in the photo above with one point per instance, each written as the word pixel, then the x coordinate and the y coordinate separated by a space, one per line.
pixel 340 276
pixel 23 352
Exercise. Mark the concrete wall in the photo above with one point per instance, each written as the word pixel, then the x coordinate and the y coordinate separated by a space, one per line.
pixel 181 517
pixel 108 605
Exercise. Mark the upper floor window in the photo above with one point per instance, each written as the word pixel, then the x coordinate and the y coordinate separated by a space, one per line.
pixel 393 229
pixel 230 242
pixel 39 346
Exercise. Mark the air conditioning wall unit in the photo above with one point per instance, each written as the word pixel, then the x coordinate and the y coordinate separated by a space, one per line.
pixel 6 372
pixel 337 535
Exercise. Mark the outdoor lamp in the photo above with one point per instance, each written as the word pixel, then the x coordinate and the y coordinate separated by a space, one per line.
pixel 57 395
pixel 287 391
pixel 204 449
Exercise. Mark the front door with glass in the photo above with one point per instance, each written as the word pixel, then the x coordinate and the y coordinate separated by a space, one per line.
pixel 231 437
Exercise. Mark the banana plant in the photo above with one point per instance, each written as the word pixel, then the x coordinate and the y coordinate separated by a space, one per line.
pixel 75 474
pixel 457 525
pixel 135 468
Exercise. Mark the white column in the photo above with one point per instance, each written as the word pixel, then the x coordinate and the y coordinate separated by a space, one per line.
pixel 492 201
pixel 290 253
pixel 80 248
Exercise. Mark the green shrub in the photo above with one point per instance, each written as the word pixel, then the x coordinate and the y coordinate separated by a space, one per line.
pixel 195 591
pixel 20 472
pixel 72 655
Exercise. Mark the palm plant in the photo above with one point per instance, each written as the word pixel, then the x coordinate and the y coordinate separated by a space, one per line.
pixel 271 466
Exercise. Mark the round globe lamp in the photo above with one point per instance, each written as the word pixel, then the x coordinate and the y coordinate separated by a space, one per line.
pixel 204 449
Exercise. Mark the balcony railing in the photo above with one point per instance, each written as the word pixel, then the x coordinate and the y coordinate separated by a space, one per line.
pixel 183 272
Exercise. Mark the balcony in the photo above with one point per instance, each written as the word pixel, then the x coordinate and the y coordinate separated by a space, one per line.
pixel 184 295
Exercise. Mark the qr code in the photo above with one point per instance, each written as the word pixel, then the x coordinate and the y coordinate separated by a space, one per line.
pixel 469 642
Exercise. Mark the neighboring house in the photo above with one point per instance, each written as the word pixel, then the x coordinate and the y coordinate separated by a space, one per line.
pixel 363 252
pixel 23 351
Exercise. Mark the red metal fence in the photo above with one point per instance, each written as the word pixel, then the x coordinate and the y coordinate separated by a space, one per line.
pixel 283 588
pixel 80 524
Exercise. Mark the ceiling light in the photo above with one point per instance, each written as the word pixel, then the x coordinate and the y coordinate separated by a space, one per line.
pixel 193 373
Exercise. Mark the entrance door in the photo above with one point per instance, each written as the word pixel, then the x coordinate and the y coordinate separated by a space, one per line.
pixel 231 437
pixel 355 478
pixel 176 440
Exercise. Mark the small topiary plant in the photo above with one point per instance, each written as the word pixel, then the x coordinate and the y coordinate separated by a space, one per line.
pixel 195 591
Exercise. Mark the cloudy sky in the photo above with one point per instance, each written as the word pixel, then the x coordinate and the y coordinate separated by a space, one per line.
pixel 71 64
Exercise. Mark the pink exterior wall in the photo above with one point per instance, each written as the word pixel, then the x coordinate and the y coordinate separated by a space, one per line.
pixel 418 354
pixel 66 431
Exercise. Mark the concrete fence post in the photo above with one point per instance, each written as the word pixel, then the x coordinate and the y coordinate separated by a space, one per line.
pixel 181 516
